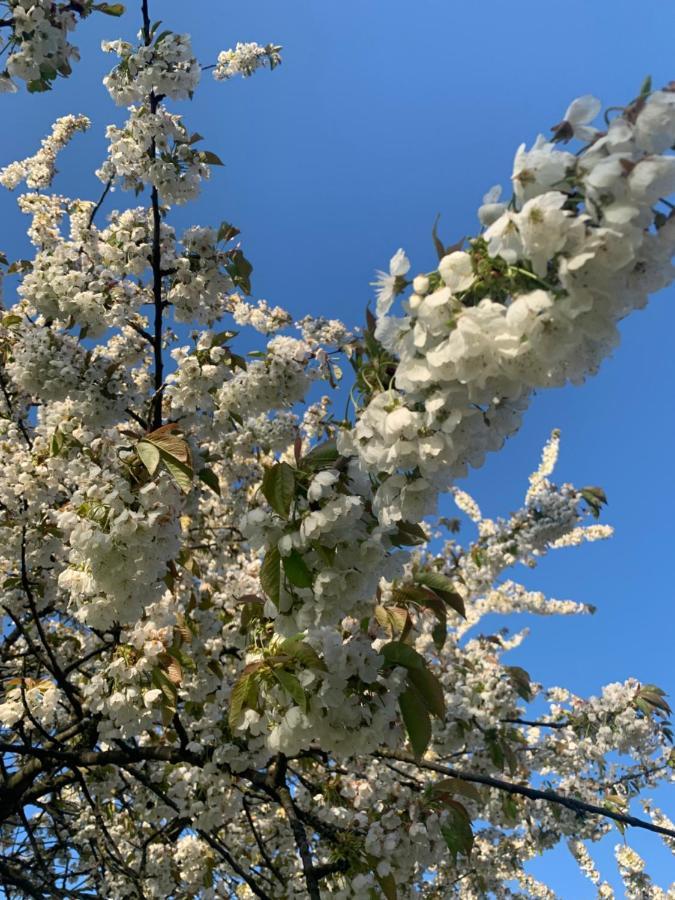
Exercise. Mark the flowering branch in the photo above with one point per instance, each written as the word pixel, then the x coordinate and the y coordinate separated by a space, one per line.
pixel 238 612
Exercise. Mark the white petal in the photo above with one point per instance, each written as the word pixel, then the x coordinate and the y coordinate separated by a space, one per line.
pixel 399 264
pixel 583 109
pixel 586 133
pixel 493 194
pixel 7 86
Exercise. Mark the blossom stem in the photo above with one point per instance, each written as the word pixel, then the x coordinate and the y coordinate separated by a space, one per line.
pixel 156 258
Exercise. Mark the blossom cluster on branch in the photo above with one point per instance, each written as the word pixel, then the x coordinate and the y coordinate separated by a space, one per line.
pixel 37 42
pixel 240 652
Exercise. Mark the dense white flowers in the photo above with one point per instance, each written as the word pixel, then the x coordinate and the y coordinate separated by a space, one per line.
pixel 240 657
pixel 245 59
pixel 38 171
pixel 165 67
pixel 176 168
pixel 41 48
pixel 532 302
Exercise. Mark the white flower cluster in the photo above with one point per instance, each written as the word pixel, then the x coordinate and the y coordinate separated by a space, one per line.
pixel 114 536
pixel 41 699
pixel 87 278
pixel 533 303
pixel 165 68
pixel 176 169
pixel 277 382
pixel 47 212
pixel 38 170
pixel 223 577
pixel 245 59
pixel 327 332
pixel 200 281
pixel 39 47
pixel 259 315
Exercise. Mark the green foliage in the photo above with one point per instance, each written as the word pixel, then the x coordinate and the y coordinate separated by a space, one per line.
pixel 270 575
pixel 278 486
pixel 422 698
pixel 110 9
pixel 457 831
pixel 296 570
pixel 416 720
pixel 166 446
pixel 442 586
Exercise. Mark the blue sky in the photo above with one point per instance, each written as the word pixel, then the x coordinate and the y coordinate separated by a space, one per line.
pixel 384 114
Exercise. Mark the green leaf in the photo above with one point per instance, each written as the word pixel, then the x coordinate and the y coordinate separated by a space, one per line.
pixel 169 442
pixel 425 597
pixel 596 498
pixel 412 593
pixel 445 588
pixel 181 473
pixel 149 455
pixel 211 158
pixel 38 86
pixel 430 690
pixel 162 681
pixel 296 570
pixel 210 479
pixel 19 266
pixel 239 270
pixel 387 885
pixel 416 720
pixel 654 698
pixel 303 652
pixel 174 452
pixel 496 753
pixel 227 232
pixel 292 687
pixel 520 679
pixel 395 619
pixel 457 830
pixel 408 534
pixel 510 808
pixel 110 9
pixel 278 486
pixel 270 575
pixel 250 613
pixel 48 72
pixel 439 633
pixel 323 456
pixel 447 787
pixel 56 443
pixel 396 653
pixel 238 700
pixel 161 37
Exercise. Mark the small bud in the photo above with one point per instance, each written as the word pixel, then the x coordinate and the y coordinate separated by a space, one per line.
pixel 421 284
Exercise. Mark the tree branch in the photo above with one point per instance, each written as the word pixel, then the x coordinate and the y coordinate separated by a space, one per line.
pixel 156 257
pixel 298 829
pixel 577 806
pixel 261 846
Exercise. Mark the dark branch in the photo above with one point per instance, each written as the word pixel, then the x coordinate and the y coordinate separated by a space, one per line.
pixel 298 829
pixel 576 806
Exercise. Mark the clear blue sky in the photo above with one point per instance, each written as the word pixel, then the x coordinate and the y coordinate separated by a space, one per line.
pixel 384 114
